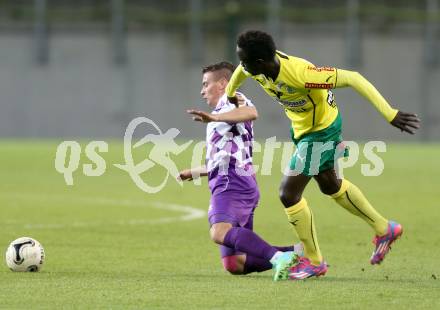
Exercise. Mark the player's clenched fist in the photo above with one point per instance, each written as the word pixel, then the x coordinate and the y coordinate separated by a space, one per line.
pixel 185 175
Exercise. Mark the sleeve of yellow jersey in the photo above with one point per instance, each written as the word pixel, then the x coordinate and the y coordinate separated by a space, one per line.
pixel 236 80
pixel 329 77
pixel 317 77
pixel 366 89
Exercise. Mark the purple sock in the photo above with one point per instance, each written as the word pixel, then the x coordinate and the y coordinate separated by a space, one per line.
pixel 255 264
pixel 246 241
pixel 285 248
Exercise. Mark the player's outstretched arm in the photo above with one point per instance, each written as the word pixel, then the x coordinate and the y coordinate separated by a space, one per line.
pixel 193 173
pixel 241 114
pixel 407 122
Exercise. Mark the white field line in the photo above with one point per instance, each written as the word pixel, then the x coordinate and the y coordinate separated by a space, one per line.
pixel 189 213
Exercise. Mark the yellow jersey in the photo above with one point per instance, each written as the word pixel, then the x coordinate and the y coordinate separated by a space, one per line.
pixel 305 93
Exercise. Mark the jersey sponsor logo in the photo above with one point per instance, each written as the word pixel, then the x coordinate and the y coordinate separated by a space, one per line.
pixel 319 85
pixel 320 69
pixel 291 104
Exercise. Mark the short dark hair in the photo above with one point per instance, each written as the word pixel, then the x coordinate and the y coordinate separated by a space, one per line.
pixel 224 68
pixel 257 44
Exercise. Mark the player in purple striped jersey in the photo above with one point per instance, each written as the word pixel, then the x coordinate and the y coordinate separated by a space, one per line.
pixel 232 180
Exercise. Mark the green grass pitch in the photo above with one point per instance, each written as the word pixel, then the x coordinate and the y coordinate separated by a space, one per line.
pixel 110 245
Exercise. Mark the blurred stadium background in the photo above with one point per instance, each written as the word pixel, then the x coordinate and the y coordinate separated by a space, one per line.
pixel 85 68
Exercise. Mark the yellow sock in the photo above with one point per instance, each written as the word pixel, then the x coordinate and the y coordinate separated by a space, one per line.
pixel 351 198
pixel 301 217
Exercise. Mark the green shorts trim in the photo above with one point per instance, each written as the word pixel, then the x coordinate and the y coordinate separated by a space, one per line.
pixel 318 151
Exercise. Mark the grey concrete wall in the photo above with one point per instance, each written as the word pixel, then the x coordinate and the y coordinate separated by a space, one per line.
pixel 81 93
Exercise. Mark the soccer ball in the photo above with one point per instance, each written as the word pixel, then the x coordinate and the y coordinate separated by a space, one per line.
pixel 25 254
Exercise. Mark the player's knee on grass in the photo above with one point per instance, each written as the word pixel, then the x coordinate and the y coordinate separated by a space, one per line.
pixel 218 231
pixel 234 264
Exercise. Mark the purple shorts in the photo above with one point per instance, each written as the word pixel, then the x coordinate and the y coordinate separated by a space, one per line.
pixel 233 200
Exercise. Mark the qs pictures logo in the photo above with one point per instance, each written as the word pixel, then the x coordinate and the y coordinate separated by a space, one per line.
pixel 163 146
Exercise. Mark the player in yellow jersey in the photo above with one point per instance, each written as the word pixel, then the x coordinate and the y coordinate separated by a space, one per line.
pixel 304 91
